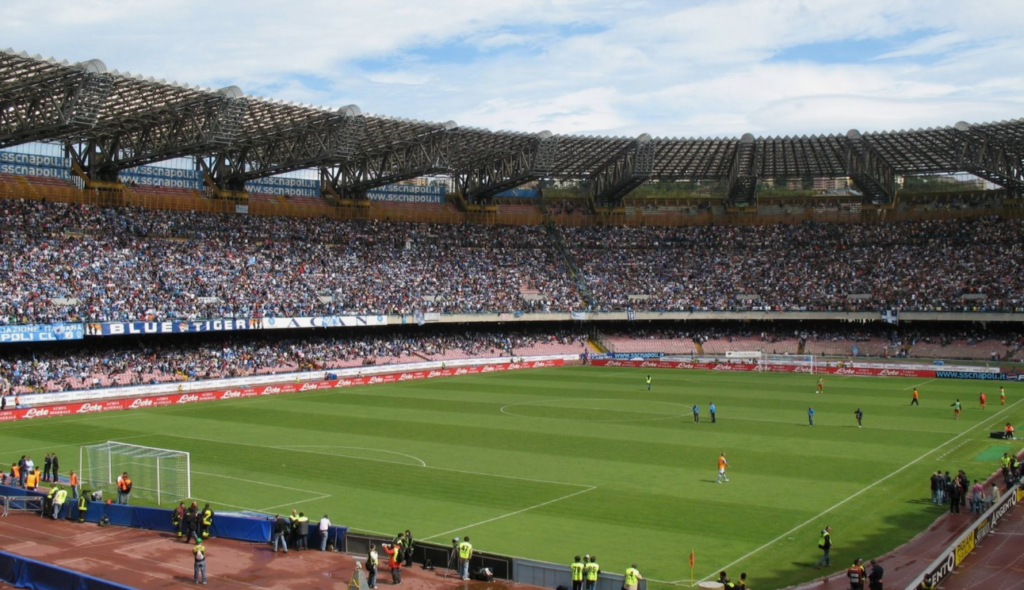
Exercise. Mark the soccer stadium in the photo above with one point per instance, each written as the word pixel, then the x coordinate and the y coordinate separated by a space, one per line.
pixel 693 355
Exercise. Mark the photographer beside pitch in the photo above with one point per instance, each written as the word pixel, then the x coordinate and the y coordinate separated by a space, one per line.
pixel 465 549
pixel 394 562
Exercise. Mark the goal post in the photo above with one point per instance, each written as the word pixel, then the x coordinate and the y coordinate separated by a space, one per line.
pixel 803 363
pixel 159 475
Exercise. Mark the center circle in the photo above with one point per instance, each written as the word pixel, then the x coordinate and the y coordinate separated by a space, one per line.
pixel 597 410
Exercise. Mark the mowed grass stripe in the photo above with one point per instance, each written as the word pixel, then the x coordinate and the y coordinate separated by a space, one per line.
pixel 642 473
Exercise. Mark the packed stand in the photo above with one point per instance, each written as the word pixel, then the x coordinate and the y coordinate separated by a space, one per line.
pixel 111 363
pixel 63 262
pixel 912 266
pixel 952 341
pixel 131 264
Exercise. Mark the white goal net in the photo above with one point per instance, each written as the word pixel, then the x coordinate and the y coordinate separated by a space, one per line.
pixel 158 475
pixel 793 363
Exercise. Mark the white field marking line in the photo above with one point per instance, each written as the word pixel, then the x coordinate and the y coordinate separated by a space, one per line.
pixel 421 461
pixel 446 469
pixel 316 495
pixel 954 449
pixel 263 483
pixel 918 385
pixel 50 448
pixel 841 502
pixel 150 574
pixel 816 424
pixel 269 508
pixel 130 550
pixel 542 404
pixel 92 540
pixel 36 531
pixel 21 543
pixel 482 522
pixel 65 562
pixel 222 503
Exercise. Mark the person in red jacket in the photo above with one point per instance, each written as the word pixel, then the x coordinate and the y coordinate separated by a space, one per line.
pixel 396 566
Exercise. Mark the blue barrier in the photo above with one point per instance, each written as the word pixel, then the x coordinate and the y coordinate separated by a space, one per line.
pixel 240 528
pixel 29 573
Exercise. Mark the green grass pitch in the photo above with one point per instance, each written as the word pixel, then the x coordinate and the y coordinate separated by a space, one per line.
pixel 552 463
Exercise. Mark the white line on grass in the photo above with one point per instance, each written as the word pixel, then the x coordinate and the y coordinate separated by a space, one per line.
pixel 262 483
pixel 587 488
pixel 841 502
pixel 918 385
pixel 316 495
pixel 446 469
pixel 542 403
pixel 223 504
pixel 84 444
pixel 269 508
pixel 476 524
pixel 953 450
pixel 413 457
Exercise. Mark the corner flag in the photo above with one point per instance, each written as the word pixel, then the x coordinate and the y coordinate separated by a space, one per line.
pixel 691 567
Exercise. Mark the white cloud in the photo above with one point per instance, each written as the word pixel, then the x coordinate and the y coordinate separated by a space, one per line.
pixel 669 68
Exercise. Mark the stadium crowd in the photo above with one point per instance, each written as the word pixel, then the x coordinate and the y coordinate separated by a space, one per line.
pixel 107 264
pixel 913 266
pixel 83 263
pixel 127 361
pixel 148 361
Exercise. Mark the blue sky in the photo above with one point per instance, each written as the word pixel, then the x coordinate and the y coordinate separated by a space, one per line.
pixel 669 68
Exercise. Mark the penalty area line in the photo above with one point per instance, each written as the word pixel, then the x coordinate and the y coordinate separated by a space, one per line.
pixel 527 509
pixel 310 452
pixel 851 497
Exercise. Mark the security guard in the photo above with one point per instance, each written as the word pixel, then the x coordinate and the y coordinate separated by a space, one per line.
pixel 83 506
pixel 32 480
pixel 408 548
pixel 48 501
pixel 465 554
pixel 301 532
pixel 591 571
pixel 178 518
pixel 192 523
pixel 206 521
pixel 293 527
pixel 576 569
pixel 58 501
pixel 825 544
pixel 648 383
pixel 632 578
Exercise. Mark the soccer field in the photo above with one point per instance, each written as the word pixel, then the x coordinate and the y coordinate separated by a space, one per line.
pixel 551 463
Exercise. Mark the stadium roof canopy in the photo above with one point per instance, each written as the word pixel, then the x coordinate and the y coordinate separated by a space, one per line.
pixel 110 121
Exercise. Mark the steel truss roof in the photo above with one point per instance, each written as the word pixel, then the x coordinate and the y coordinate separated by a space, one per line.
pixel 144 120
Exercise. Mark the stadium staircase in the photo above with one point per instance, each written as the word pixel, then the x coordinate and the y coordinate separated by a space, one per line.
pixel 570 263
pixel 26 186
